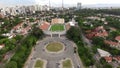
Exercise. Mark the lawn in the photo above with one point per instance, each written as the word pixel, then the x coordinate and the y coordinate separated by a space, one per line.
pixel 39 64
pixel 54 47
pixel 67 64
pixel 57 27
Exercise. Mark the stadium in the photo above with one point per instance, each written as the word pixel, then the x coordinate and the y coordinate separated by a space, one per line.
pixel 57 27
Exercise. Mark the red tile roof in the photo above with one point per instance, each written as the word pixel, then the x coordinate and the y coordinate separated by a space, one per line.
pixel 111 43
pixel 18 25
pixel 44 26
pixel 117 58
pixel 90 35
pixel 99 31
pixel 117 38
pixel 25 30
pixel 108 59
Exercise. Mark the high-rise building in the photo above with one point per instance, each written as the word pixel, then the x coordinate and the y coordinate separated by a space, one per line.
pixel 79 6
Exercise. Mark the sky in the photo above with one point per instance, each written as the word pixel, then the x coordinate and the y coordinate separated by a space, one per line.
pixel 55 2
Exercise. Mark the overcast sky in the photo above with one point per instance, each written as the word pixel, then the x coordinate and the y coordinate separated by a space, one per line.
pixel 56 2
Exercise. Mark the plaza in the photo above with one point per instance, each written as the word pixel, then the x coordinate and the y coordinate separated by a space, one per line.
pixel 54 47
pixel 53 60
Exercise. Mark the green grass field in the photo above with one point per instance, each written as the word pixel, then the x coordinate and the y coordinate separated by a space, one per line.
pixel 67 64
pixel 39 64
pixel 54 47
pixel 57 27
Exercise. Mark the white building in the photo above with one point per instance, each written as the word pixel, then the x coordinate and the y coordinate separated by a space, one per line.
pixel 72 23
pixel 103 53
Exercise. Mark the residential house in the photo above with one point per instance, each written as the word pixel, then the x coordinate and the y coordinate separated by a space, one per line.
pixel 117 38
pixel 18 28
pixel 25 30
pixel 112 44
pixel 99 32
pixel 117 58
pixel 108 59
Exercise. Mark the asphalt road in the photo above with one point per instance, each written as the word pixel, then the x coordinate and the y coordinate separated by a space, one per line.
pixel 53 59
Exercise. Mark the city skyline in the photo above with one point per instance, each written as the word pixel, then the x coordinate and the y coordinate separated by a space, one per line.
pixel 57 3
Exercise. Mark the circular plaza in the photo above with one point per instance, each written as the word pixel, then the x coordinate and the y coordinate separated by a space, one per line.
pixel 54 47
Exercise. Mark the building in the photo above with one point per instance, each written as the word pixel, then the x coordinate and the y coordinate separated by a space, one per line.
pixel 1 15
pixel 112 44
pixel 58 21
pixel 117 58
pixel 117 38
pixel 108 59
pixel 72 23
pixel 103 53
pixel 79 6
pixel 97 32
pixel 44 26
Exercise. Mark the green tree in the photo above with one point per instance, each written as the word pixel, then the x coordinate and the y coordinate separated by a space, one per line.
pixel 73 34
pixel 107 66
pixel 31 20
pixel 38 33
pixel 11 64
pixel 98 40
pixel 113 34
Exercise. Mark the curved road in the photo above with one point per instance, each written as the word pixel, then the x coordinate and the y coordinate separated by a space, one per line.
pixel 54 59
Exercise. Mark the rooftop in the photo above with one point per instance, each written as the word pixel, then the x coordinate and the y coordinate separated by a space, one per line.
pixel 44 26
pixel 117 38
pixel 103 53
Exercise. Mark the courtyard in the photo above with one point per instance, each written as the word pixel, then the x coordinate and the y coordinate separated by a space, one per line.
pixel 53 60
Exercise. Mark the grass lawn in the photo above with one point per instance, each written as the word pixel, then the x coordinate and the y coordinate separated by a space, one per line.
pixel 67 64
pixel 39 64
pixel 54 47
pixel 57 27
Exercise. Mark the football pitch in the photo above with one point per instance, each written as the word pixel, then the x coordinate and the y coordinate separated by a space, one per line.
pixel 57 27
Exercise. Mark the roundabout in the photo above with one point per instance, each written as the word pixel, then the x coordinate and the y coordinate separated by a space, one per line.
pixel 54 47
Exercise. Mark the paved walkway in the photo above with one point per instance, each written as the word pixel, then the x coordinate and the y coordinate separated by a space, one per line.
pixel 54 59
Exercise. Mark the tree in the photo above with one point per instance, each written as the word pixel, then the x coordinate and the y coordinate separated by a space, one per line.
pixel 102 61
pixel 107 66
pixel 73 34
pixel 38 33
pixel 11 64
pixel 98 40
pixel 31 20
pixel 113 34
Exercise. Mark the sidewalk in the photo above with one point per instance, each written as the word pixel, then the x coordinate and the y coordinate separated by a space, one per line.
pixel 80 61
